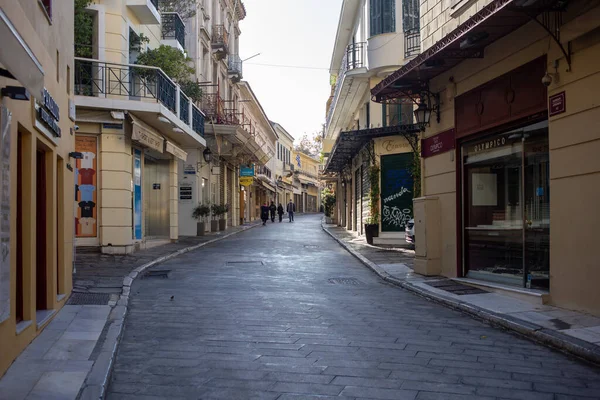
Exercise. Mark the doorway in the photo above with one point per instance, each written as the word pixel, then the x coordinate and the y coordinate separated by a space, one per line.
pixel 156 198
pixel 41 217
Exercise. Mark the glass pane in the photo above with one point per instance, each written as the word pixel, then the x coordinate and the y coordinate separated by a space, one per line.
pixel 493 209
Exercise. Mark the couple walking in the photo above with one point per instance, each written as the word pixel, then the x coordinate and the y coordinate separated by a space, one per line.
pixel 265 210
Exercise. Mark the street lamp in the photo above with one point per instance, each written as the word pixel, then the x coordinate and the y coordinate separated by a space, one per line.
pixel 423 113
pixel 207 155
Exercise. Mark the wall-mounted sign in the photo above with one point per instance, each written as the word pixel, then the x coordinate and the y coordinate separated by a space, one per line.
pixel 146 137
pixel 175 150
pixel 246 180
pixel 185 192
pixel 558 103
pixel 112 126
pixel 440 143
pixel 48 113
pixel 247 171
pixel 189 169
pixel 156 186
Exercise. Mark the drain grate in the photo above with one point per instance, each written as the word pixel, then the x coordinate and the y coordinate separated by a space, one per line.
pixel 157 273
pixel 311 246
pixel 244 263
pixel 89 299
pixel 455 287
pixel 345 281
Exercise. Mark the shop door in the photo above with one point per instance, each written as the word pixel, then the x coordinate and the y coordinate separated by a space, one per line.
pixel 507 207
pixel 357 201
pixel 230 197
pixel 396 191
pixel 156 198
pixel 41 275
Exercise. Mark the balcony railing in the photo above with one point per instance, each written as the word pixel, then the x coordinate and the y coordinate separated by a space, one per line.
pixel 412 42
pixel 220 36
pixel 354 57
pixel 95 78
pixel 235 67
pixel 173 28
pixel 154 3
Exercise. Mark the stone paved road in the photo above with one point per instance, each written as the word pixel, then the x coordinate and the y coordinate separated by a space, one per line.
pixel 311 322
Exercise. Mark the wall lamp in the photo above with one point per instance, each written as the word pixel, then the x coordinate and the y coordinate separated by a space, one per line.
pixel 426 106
pixel 15 93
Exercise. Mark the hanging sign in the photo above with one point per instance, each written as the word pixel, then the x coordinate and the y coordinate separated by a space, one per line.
pixel 48 113
pixel 246 180
pixel 440 143
pixel 246 171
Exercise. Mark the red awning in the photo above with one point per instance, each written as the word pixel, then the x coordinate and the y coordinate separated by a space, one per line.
pixel 468 40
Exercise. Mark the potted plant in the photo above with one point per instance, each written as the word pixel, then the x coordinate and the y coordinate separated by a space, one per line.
pixel 328 199
pixel 372 223
pixel 200 212
pixel 224 209
pixel 214 222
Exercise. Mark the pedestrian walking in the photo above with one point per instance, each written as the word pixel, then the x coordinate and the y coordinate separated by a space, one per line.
pixel 291 209
pixel 264 213
pixel 272 210
pixel 280 212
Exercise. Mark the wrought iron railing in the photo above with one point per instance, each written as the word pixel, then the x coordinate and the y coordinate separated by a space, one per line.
pixel 235 65
pixel 354 57
pixel 412 42
pixel 173 28
pixel 220 36
pixel 184 108
pixel 197 121
pixel 155 4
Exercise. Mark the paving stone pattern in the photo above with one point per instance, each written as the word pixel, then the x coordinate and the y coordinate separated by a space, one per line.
pixel 283 331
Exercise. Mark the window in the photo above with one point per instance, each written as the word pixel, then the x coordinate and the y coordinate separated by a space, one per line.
pixel 368 114
pixel 47 7
pixel 57 66
pixel 68 80
pixel 382 16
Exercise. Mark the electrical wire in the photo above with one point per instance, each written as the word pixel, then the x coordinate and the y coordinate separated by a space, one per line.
pixel 287 66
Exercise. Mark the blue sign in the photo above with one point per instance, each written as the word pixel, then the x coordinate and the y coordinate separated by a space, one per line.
pixel 246 171
pixel 137 194
pixel 298 160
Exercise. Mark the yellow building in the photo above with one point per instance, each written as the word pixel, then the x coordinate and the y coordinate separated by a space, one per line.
pixel 307 193
pixel 510 175
pixel 134 124
pixel 37 178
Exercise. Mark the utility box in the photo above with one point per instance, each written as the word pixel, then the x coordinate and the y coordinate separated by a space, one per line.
pixel 428 236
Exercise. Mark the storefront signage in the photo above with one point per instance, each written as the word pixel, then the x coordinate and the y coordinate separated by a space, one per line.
pixel 185 192
pixel 396 191
pixel 558 103
pixel 86 187
pixel 246 180
pixel 176 151
pixel 49 113
pixel 112 126
pixel 489 144
pixel 394 146
pixel 156 186
pixel 137 194
pixel 147 138
pixel 440 143
pixel 247 171
pixel 189 169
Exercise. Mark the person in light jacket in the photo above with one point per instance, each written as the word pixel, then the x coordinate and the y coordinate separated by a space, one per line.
pixel 291 209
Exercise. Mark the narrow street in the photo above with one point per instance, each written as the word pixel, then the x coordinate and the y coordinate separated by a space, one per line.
pixel 283 312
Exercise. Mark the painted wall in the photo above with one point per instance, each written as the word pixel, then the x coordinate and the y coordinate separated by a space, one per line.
pixel 50 45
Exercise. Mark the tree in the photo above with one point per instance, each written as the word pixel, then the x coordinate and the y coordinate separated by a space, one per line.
pixel 185 8
pixel 171 60
pixel 312 145
pixel 84 29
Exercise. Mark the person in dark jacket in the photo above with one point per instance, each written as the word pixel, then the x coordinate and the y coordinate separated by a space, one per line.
pixel 272 210
pixel 291 209
pixel 264 213
pixel 280 212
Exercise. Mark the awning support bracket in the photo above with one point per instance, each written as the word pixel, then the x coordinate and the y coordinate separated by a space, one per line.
pixel 551 24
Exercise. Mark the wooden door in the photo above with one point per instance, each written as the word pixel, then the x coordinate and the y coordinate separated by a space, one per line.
pixel 40 237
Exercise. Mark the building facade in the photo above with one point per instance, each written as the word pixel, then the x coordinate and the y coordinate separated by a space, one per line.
pixel 307 186
pixel 284 167
pixel 510 176
pixel 373 39
pixel 134 124
pixel 37 158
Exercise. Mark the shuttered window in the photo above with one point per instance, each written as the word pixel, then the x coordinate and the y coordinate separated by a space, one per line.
pixel 382 16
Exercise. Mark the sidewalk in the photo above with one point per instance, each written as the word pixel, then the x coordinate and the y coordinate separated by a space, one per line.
pixel 569 331
pixel 73 355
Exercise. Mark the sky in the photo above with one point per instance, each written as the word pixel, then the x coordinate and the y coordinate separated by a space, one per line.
pixel 291 33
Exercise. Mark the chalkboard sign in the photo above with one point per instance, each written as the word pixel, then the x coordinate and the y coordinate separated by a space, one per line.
pixel 396 191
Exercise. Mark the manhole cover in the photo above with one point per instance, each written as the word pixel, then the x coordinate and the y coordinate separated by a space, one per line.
pixel 157 273
pixel 455 287
pixel 89 299
pixel 244 263
pixel 344 281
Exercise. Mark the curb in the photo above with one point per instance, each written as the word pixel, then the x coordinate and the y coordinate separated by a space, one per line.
pixel 548 337
pixel 98 378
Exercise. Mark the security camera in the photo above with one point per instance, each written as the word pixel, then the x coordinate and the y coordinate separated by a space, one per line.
pixel 546 80
pixel 76 127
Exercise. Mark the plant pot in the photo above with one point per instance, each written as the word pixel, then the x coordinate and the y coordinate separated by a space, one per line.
pixel 222 224
pixel 200 229
pixel 328 220
pixel 371 231
pixel 214 225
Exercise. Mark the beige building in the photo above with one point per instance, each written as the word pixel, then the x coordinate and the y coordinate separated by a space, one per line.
pixel 284 167
pixel 307 186
pixel 510 174
pixel 37 161
pixel 135 127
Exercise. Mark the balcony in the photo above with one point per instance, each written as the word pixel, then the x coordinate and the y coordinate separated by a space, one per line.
pixel 173 31
pixel 220 41
pixel 412 42
pixel 235 68
pixel 146 11
pixel 147 91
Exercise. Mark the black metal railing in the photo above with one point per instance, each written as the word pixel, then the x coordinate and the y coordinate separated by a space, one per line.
pixel 155 4
pixel 220 36
pixel 184 108
pixel 98 78
pixel 197 121
pixel 235 65
pixel 173 28
pixel 355 56
pixel 412 42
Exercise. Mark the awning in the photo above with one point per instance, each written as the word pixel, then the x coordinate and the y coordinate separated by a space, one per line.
pixel 172 148
pixel 266 185
pixel 349 143
pixel 18 59
pixel 96 116
pixel 468 40
pixel 144 135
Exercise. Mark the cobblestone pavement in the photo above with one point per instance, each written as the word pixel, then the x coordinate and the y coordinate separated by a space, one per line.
pixel 283 312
